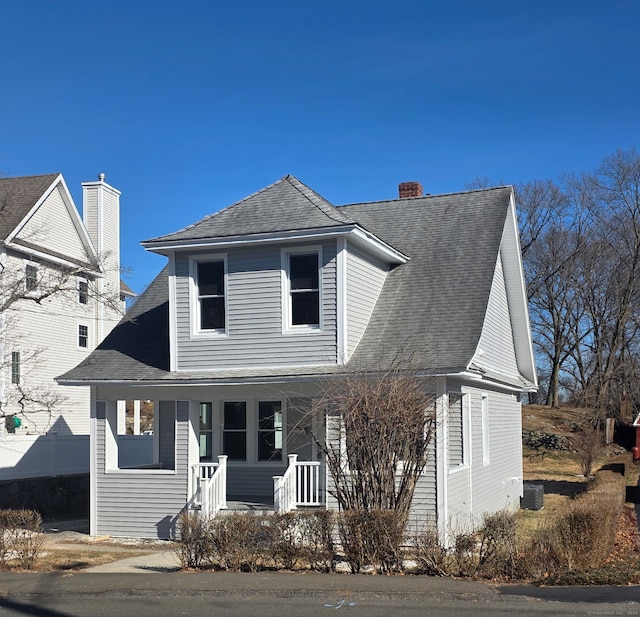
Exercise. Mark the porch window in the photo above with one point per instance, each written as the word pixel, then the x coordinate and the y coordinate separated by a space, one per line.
pixel 304 289
pixel 234 433
pixel 206 432
pixel 269 431
pixel 211 296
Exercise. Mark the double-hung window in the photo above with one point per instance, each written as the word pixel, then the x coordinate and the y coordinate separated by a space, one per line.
pixel 15 367
pixel 30 277
pixel 210 296
pixel 303 273
pixel 83 336
pixel 234 430
pixel 83 291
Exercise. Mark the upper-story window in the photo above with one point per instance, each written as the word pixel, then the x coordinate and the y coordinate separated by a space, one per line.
pixel 210 295
pixel 83 291
pixel 83 336
pixel 30 277
pixel 303 277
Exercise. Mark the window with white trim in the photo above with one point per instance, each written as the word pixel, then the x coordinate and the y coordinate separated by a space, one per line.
pixel 30 277
pixel 303 288
pixel 15 367
pixel 83 336
pixel 210 295
pixel 83 291
pixel 234 430
pixel 206 431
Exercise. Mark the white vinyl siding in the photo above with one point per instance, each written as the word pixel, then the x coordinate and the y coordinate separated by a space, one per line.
pixel 496 349
pixel 51 227
pixel 455 430
pixel 365 277
pixel 255 336
pixel 145 503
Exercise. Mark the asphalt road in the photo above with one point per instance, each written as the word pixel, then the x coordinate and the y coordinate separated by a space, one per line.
pixel 301 595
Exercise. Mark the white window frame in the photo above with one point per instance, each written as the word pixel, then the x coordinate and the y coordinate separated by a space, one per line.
pixel 287 326
pixel 27 265
pixel 283 430
pixel 194 296
pixel 86 325
pixel 82 280
pixel 16 367
pixel 486 432
pixel 466 452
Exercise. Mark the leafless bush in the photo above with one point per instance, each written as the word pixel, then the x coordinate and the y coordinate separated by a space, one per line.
pixel 372 538
pixel 497 552
pixel 379 427
pixel 195 542
pixel 430 554
pixel 588 442
pixel 21 538
pixel 582 535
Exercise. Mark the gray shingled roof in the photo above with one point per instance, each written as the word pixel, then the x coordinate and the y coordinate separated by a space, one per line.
pixel 432 307
pixel 285 205
pixel 18 196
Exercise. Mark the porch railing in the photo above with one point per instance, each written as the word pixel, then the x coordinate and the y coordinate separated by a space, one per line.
pixel 209 481
pixel 298 487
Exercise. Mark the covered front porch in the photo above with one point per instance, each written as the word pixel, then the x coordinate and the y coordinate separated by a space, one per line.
pixel 220 449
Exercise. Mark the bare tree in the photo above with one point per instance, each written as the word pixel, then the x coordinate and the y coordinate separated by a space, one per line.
pixel 376 445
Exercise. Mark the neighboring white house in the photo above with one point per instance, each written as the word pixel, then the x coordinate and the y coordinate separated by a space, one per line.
pixel 263 300
pixel 61 295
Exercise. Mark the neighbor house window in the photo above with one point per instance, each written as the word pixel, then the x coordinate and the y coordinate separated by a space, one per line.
pixel 15 367
pixel 83 291
pixel 83 336
pixel 455 430
pixel 269 431
pixel 234 431
pixel 31 277
pixel 210 293
pixel 304 289
pixel 206 431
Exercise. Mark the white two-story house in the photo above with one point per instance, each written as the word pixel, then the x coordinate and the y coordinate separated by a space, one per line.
pixel 263 301
pixel 60 295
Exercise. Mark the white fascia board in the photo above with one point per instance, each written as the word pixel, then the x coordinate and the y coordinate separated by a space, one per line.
pixel 517 293
pixel 41 255
pixel 359 235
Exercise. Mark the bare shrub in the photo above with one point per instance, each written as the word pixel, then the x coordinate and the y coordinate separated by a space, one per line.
pixel 21 538
pixel 195 545
pixel 498 550
pixel 372 538
pixel 430 554
pixel 242 541
pixel 588 443
pixel 581 535
pixel 379 427
pixel 465 553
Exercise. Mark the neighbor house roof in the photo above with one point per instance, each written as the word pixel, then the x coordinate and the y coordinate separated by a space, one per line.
pixel 431 308
pixel 18 196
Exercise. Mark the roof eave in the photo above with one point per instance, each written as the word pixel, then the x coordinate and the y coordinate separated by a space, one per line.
pixel 359 235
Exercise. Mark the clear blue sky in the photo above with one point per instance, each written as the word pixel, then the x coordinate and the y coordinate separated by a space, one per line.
pixel 189 106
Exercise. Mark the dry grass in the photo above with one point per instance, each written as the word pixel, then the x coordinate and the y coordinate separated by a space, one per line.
pixel 66 560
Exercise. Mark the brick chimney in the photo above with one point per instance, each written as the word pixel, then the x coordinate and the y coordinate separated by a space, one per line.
pixel 410 189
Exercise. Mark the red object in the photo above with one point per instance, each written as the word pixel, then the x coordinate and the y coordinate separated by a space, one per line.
pixel 636 453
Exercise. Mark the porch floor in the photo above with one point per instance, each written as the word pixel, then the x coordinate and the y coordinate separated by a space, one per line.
pixel 253 503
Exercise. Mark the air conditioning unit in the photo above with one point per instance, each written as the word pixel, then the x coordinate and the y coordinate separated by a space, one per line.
pixel 532 497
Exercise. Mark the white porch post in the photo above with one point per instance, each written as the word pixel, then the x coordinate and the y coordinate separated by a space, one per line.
pixel 136 417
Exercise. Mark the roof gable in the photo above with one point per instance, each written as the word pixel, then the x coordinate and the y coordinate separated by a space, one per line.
pixel 18 196
pixel 286 205
pixel 54 227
